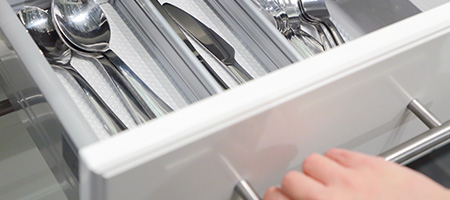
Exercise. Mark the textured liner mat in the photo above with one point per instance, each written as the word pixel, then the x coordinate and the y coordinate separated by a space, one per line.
pixel 244 56
pixel 127 47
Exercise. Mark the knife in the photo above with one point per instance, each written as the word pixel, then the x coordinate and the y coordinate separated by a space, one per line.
pixel 210 40
pixel 181 34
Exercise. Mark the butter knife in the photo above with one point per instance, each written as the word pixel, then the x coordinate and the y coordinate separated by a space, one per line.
pixel 210 40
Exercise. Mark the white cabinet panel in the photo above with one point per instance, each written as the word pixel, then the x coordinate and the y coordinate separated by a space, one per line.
pixel 354 96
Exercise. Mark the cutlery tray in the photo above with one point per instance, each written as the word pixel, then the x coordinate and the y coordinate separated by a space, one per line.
pixel 151 57
pixel 145 41
pixel 257 53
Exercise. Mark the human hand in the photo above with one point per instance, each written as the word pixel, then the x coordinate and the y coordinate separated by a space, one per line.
pixel 342 174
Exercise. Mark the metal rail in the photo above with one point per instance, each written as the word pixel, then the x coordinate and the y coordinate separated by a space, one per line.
pixel 417 147
pixel 423 144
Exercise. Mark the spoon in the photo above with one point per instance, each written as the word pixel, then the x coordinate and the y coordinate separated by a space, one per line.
pixel 316 10
pixel 84 27
pixel 293 11
pixel 41 29
pixel 305 44
pixel 299 38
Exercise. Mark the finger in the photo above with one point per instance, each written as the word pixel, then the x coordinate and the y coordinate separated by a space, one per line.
pixel 299 186
pixel 274 193
pixel 351 159
pixel 323 169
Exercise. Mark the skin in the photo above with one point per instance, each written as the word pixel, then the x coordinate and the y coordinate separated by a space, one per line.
pixel 342 174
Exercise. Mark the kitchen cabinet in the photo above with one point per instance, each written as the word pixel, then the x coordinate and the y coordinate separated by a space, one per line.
pixel 354 96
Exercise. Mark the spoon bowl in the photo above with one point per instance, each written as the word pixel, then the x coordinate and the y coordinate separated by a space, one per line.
pixel 41 28
pixel 294 10
pixel 84 27
pixel 83 23
pixel 316 10
pixel 38 25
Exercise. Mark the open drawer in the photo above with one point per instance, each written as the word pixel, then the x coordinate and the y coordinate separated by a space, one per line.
pixel 354 97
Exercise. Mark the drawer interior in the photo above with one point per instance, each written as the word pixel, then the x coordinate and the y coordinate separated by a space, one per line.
pixel 145 40
pixel 330 100
pixel 178 80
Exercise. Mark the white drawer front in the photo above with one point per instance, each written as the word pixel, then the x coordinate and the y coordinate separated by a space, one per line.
pixel 354 97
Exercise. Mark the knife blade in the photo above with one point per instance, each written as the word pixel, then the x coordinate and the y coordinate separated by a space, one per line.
pixel 209 39
pixel 183 37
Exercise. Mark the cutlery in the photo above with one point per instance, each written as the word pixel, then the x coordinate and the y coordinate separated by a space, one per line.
pixel 305 44
pixel 41 29
pixel 183 37
pixel 316 10
pixel 83 26
pixel 293 10
pixel 300 39
pixel 210 40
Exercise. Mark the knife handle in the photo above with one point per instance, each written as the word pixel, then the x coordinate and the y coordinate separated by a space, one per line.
pixel 238 72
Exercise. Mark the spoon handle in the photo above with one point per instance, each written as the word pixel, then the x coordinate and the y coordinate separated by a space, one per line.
pixel 305 44
pixel 323 37
pixel 110 120
pixel 150 103
pixel 132 104
pixel 334 31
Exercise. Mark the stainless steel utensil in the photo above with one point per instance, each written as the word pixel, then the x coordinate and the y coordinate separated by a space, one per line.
pixel 41 29
pixel 316 10
pixel 291 28
pixel 183 37
pixel 210 40
pixel 300 39
pixel 84 27
pixel 293 10
pixel 288 17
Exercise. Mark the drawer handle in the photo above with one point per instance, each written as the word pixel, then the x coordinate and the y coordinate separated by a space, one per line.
pixel 421 145
pixel 437 136
pixel 246 191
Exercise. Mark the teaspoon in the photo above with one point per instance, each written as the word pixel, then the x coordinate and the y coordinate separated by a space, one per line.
pixel 293 10
pixel 85 28
pixel 316 10
pixel 41 29
pixel 291 28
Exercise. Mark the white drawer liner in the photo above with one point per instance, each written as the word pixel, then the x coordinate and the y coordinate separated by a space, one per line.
pixel 243 55
pixel 127 47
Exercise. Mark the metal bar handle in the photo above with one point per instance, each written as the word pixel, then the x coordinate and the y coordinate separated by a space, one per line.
pixel 421 145
pixel 246 191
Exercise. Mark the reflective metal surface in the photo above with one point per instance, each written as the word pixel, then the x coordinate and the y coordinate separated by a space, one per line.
pixel 424 143
pixel 85 28
pixel 298 35
pixel 296 16
pixel 21 64
pixel 83 23
pixel 246 191
pixel 211 41
pixel 41 29
pixel 423 114
pixel 289 17
pixel 420 145
pixel 186 41
pixel 316 10
pixel 290 27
